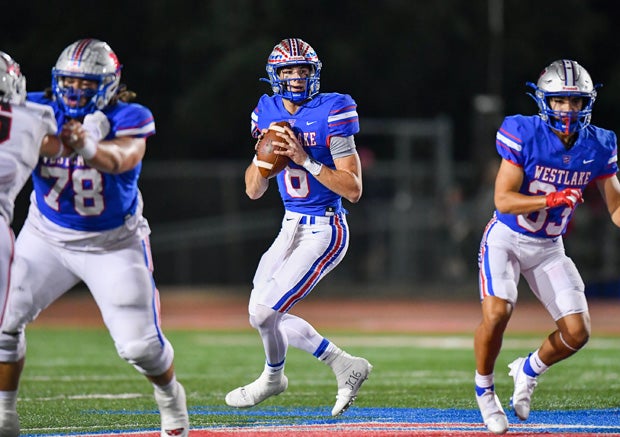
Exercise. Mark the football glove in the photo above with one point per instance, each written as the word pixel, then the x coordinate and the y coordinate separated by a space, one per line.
pixel 567 197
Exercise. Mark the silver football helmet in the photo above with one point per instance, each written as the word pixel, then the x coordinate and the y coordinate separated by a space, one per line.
pixel 289 52
pixel 12 82
pixel 568 79
pixel 86 59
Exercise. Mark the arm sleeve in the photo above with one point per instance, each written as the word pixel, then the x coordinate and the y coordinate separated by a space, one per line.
pixel 342 146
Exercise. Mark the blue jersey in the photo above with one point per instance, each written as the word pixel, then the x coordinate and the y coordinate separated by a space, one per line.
pixel 325 116
pixel 74 195
pixel 548 166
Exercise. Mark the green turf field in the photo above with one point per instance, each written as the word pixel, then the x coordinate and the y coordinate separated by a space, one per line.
pixel 74 381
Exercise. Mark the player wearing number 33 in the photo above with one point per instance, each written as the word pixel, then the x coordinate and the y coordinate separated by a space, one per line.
pixel 324 167
pixel 547 161
pixel 85 224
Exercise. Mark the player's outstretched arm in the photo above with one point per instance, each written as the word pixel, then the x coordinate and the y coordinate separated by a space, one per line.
pixel 114 156
pixel 118 155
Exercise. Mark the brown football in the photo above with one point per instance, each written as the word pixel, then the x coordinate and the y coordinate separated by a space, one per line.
pixel 269 164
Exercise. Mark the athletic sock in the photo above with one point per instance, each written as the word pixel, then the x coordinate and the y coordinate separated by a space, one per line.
pixel 485 381
pixel 169 389
pixel 8 400
pixel 331 353
pixel 534 366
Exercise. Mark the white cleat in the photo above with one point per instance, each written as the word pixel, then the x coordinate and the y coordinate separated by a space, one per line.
pixel 524 387
pixel 256 392
pixel 351 372
pixel 492 412
pixel 173 412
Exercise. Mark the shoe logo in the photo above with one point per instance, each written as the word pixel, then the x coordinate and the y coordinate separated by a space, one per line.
pixel 354 380
pixel 308 123
pixel 587 161
pixel 316 232
pixel 175 432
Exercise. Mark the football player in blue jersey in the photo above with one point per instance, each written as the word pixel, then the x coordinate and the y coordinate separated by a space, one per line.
pixel 85 224
pixel 324 167
pixel 547 160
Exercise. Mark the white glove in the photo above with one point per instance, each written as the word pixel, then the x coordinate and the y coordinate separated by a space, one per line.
pixel 97 125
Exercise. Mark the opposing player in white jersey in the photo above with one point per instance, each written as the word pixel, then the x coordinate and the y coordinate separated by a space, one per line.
pixel 314 236
pixel 547 161
pixel 26 131
pixel 85 224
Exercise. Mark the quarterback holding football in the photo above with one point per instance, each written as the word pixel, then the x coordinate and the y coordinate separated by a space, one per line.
pixel 323 167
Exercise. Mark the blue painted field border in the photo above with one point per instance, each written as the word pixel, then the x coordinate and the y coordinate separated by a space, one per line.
pixel 566 422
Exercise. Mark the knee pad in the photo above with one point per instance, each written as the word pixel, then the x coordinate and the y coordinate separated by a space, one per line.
pixel 148 357
pixel 12 346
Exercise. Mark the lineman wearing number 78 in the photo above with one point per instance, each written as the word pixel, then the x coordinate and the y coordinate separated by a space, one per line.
pixel 85 223
pixel 547 161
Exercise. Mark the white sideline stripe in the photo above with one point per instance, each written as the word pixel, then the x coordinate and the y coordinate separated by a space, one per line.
pixel 88 396
pixel 564 426
pixel 437 342
pixel 79 378
pixel 452 342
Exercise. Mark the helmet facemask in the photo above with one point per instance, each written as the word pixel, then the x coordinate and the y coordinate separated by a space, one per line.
pixel 564 78
pixel 87 59
pixel 289 90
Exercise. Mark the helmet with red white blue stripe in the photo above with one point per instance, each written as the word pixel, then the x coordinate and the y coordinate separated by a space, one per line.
pixel 89 59
pixel 291 52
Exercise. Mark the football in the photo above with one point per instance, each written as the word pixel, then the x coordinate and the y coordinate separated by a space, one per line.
pixel 269 164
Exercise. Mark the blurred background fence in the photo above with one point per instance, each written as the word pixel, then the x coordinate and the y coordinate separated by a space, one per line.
pixel 415 231
pixel 432 82
pixel 416 228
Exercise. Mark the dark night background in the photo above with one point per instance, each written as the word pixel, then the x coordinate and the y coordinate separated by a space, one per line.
pixel 197 64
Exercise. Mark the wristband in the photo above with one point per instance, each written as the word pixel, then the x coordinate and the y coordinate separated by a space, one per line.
pixel 255 161
pixel 313 167
pixel 90 148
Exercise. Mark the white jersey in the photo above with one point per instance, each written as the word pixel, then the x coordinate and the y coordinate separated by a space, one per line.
pixel 22 128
